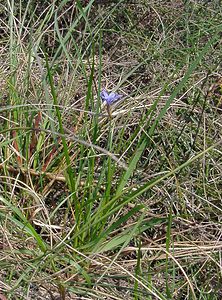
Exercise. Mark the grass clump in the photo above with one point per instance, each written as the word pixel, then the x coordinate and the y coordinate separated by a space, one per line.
pixel 112 202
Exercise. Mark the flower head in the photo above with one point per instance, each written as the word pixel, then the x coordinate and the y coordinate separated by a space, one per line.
pixel 109 98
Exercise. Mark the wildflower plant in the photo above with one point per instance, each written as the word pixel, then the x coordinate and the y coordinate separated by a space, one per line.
pixel 104 209
pixel 109 98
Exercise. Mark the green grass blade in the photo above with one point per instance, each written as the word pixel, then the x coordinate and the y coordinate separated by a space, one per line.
pixel 24 223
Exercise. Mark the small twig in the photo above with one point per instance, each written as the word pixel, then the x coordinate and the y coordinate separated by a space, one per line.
pixel 34 173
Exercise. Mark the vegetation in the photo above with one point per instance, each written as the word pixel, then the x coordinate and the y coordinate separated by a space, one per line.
pixel 120 201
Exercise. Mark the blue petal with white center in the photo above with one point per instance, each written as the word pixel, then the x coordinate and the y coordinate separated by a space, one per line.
pixel 109 98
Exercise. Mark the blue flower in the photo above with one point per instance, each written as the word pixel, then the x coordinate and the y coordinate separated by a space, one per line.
pixel 109 98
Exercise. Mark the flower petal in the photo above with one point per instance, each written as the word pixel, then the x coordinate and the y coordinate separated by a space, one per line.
pixel 109 98
pixel 113 97
pixel 104 95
